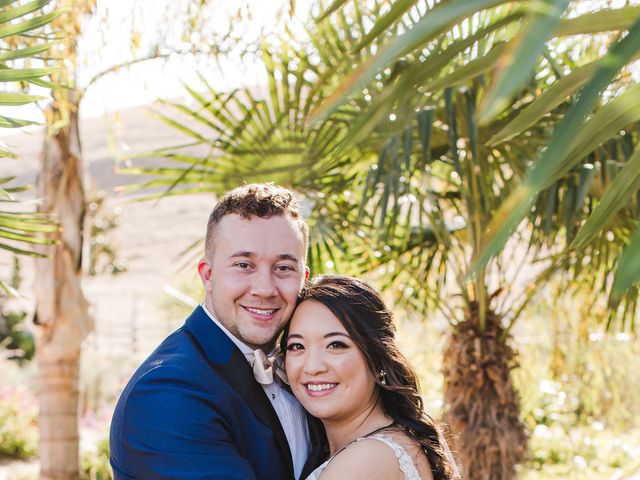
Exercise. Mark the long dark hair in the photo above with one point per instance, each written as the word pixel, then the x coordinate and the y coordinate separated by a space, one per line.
pixel 369 322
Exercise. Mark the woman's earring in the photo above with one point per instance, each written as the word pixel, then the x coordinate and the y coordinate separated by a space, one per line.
pixel 382 376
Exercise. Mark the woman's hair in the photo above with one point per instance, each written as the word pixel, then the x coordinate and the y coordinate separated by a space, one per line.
pixel 369 323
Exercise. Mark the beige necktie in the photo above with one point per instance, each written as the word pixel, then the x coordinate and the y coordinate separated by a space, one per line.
pixel 264 366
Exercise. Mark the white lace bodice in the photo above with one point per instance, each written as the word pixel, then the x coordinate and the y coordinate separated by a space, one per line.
pixel 404 460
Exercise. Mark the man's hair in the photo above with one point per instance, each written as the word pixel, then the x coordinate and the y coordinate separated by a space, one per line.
pixel 263 200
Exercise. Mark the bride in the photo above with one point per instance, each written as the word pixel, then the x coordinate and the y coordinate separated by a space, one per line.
pixel 344 367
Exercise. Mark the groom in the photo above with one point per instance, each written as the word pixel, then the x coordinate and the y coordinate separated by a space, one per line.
pixel 195 408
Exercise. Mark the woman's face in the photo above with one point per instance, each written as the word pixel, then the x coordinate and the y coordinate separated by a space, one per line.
pixel 326 369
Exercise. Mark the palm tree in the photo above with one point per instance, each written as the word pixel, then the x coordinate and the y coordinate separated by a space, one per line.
pixel 579 161
pixel 512 65
pixel 403 178
pixel 20 230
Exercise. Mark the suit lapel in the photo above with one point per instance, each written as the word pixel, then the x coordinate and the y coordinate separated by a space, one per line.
pixel 239 375
pixel 225 358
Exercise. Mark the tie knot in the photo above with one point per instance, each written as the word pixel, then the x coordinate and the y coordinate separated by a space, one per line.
pixel 262 367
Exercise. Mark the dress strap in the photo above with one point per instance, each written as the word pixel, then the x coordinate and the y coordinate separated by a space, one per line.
pixel 366 435
pixel 405 463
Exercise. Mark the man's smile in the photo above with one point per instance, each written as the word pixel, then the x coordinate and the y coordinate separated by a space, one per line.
pixel 261 311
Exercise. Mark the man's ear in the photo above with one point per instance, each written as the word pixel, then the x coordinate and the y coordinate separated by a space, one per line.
pixel 306 273
pixel 205 271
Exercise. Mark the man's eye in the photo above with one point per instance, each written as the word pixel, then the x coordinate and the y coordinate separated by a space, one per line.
pixel 292 347
pixel 242 265
pixel 285 268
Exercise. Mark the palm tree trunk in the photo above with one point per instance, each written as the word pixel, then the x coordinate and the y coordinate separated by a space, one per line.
pixel 482 407
pixel 62 317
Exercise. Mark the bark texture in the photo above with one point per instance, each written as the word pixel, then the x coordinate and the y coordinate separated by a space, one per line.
pixel 62 317
pixel 482 407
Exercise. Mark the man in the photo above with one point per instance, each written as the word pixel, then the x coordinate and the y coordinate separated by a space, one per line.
pixel 194 409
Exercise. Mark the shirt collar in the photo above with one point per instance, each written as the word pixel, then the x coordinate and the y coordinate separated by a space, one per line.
pixel 246 350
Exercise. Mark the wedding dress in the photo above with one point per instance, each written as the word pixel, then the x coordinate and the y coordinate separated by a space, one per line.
pixel 404 460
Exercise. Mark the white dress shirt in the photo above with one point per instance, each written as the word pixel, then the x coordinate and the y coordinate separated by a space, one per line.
pixel 290 413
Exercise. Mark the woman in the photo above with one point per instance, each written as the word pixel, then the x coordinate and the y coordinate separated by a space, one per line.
pixel 344 367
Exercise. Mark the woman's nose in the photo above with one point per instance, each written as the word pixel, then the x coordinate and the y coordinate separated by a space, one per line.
pixel 314 362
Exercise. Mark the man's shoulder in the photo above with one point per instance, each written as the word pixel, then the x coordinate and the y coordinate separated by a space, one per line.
pixel 178 354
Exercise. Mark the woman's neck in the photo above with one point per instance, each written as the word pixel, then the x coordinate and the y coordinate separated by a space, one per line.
pixel 342 432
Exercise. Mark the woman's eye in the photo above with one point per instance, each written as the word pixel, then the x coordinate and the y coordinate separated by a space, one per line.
pixel 337 344
pixel 292 347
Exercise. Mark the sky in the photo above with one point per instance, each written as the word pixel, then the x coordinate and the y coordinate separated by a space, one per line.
pixel 143 83
pixel 107 41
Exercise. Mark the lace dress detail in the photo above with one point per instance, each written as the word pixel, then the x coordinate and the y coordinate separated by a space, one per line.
pixel 404 460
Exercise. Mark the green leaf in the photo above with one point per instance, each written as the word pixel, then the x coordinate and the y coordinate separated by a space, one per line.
pixel 22 227
pixel 49 85
pixel 28 225
pixel 29 25
pixel 604 124
pixel 180 127
pixel 398 8
pixel 601 21
pixel 6 179
pixel 11 235
pixel 521 57
pixel 550 98
pixel 20 74
pixel 12 99
pixel 22 10
pixel 470 70
pixel 418 74
pixel 330 9
pixel 25 52
pixel 618 195
pixel 437 20
pixel 628 272
pixel 9 290
pixel 553 159
pixel 5 153
pixel 21 251
pixel 6 122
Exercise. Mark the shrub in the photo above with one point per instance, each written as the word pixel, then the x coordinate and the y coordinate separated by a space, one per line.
pixel 18 426
pixel 95 464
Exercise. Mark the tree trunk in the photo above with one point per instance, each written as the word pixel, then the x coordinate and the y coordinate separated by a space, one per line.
pixel 62 317
pixel 481 404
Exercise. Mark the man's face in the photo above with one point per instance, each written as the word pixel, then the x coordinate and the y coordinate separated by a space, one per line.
pixel 253 280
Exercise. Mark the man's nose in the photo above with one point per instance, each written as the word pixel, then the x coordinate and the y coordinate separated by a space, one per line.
pixel 263 283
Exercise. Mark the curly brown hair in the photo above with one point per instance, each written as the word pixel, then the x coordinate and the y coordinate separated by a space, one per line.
pixel 369 323
pixel 263 200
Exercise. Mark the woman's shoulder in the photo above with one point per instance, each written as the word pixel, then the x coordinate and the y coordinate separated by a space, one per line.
pixel 367 458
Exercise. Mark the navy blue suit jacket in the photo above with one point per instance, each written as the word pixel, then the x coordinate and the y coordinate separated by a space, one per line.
pixel 193 410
